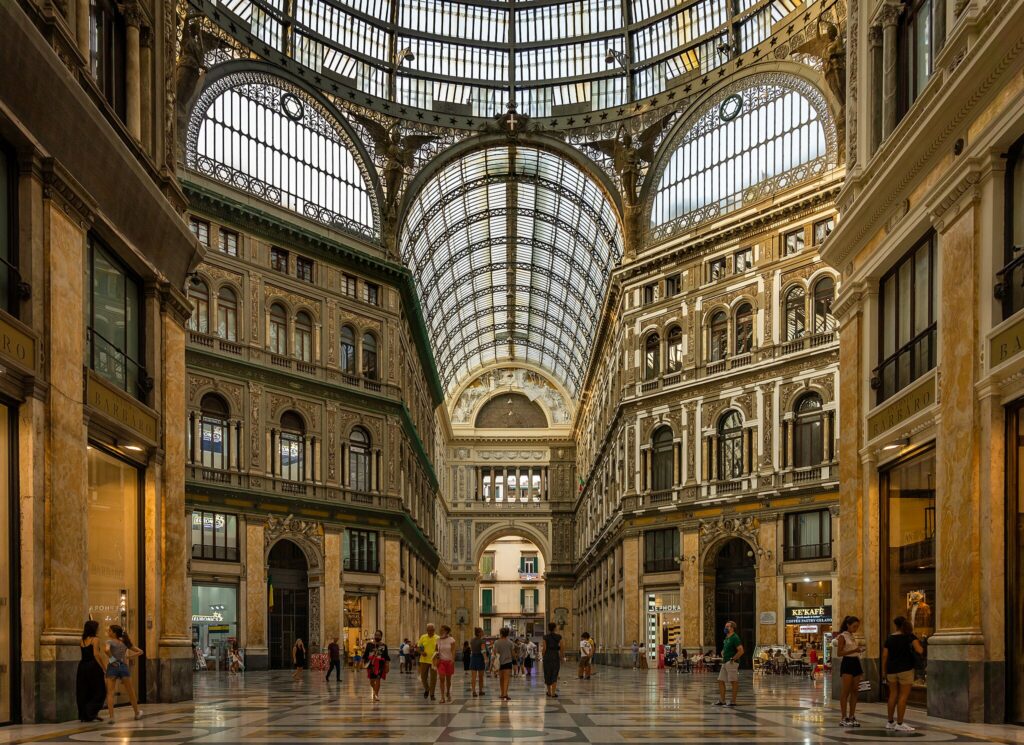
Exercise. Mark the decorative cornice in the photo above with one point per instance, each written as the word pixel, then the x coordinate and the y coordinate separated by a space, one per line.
pixel 60 186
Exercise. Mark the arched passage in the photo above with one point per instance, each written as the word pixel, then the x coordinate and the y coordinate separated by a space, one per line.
pixel 287 602
pixel 510 589
pixel 732 570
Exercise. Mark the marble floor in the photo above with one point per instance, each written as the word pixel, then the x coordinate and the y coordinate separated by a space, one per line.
pixel 615 706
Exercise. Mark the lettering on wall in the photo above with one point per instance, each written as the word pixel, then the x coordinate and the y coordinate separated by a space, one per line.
pixel 117 406
pixel 899 409
pixel 1007 344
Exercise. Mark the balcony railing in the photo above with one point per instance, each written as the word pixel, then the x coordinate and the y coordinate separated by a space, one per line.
pixel 488 576
pixel 807 552
pixel 489 610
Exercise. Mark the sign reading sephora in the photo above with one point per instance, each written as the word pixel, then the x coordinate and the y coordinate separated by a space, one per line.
pixel 820 614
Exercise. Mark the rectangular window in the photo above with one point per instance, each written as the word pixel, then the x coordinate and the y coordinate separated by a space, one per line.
pixel 661 548
pixel 650 293
pixel 348 285
pixel 1010 279
pixel 716 269
pixel 528 564
pixel 279 259
pixel 793 242
pixel 214 536
pixel 822 229
pixel 107 56
pixel 908 561
pixel 200 229
pixel 921 35
pixel 672 285
pixel 9 276
pixel 487 601
pixel 808 535
pixel 371 293
pixel 228 242
pixel 361 551
pixel 113 313
pixel 487 626
pixel 907 321
pixel 487 563
pixel 743 260
pixel 304 269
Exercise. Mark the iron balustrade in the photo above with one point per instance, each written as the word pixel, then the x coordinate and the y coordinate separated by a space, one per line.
pixel 114 364
pixel 807 551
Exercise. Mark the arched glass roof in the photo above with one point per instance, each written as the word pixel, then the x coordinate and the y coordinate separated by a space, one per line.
pixel 261 134
pixel 511 248
pixel 474 57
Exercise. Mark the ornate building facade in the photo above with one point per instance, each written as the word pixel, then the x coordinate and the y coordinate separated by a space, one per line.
pixel 929 246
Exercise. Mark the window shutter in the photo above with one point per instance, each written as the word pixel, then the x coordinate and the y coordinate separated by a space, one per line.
pixel 522 598
pixel 536 600
pixel 522 564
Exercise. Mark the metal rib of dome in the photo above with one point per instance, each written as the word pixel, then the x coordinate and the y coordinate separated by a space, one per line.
pixel 473 58
pixel 511 248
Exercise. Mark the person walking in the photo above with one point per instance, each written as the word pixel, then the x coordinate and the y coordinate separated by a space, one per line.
pixel 446 662
pixel 586 656
pixel 298 659
pixel 850 670
pixel 90 688
pixel 427 648
pixel 503 651
pixel 732 650
pixel 636 654
pixel 377 660
pixel 119 653
pixel 529 655
pixel 898 670
pixel 465 656
pixel 334 653
pixel 551 659
pixel 477 648
pixel 402 647
pixel 517 658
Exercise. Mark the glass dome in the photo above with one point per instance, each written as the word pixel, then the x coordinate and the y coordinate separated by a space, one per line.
pixel 549 57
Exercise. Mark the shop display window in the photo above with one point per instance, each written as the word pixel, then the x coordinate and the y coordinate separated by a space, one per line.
pixel 809 617
pixel 664 624
pixel 214 623
pixel 908 525
pixel 214 536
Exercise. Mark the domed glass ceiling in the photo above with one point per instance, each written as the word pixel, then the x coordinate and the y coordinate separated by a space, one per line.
pixel 551 57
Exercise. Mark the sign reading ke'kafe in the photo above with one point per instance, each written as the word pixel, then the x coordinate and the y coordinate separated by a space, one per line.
pixel 818 614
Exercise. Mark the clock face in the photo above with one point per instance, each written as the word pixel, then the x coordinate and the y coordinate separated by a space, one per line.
pixel 731 107
pixel 291 106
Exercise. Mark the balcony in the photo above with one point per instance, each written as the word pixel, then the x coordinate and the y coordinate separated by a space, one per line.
pixel 810 474
pixel 529 577
pixel 807 341
pixel 807 552
pixel 488 610
pixel 490 576
pixel 258 482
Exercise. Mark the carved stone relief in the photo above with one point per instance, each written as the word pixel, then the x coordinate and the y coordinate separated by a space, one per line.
pixel 711 531
pixel 535 386
pixel 332 438
pixel 309 532
pixel 314 618
pixel 255 280
pixel 710 412
pixel 540 527
pixel 747 403
pixel 295 300
pixel 767 424
pixel 255 428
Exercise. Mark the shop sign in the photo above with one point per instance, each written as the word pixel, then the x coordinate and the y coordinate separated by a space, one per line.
pixel 820 614
pixel 121 408
pixel 768 618
pixel 1007 343
pixel 811 629
pixel 16 346
pixel 665 609
pixel 210 618
pixel 895 412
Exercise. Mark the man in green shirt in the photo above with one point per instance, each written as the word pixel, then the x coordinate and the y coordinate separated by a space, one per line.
pixel 732 650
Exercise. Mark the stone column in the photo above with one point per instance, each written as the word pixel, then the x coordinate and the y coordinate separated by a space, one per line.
pixel 631 586
pixel 82 27
pixel 826 428
pixel 888 16
pixel 392 576
pixel 146 97
pixel 256 601
pixel 767 580
pixel 956 651
pixel 133 18
pixel 332 596
pixel 789 460
pixel 689 595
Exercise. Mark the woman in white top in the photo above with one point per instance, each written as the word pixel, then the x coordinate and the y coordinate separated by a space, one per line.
pixel 850 670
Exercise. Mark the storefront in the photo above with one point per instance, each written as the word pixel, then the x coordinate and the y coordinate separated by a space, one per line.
pixel 663 621
pixel 907 492
pixel 115 561
pixel 809 616
pixel 8 550
pixel 214 622
pixel 361 619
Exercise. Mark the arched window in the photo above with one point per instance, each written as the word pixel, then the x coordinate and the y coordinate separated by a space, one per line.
pixel 348 350
pixel 730 446
pixel 795 313
pixel 359 460
pixel 213 431
pixel 260 134
pixel 719 337
pixel 744 145
pixel 661 460
pixel 303 336
pixel 199 294
pixel 227 314
pixel 369 356
pixel 674 361
pixel 744 329
pixel 293 447
pixel 808 434
pixel 278 331
pixel 652 357
pixel 824 294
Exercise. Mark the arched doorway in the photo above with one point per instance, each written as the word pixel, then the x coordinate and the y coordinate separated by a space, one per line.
pixel 288 603
pixel 511 589
pixel 735 595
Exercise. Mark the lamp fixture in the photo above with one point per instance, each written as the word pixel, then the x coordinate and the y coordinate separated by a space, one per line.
pixel 612 56
pixel 898 444
pixel 403 55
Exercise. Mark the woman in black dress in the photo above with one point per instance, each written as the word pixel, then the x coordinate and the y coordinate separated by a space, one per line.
pixel 551 656
pixel 90 687
pixel 298 659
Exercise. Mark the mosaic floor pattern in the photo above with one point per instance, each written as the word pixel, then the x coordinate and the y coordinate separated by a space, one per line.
pixel 615 706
